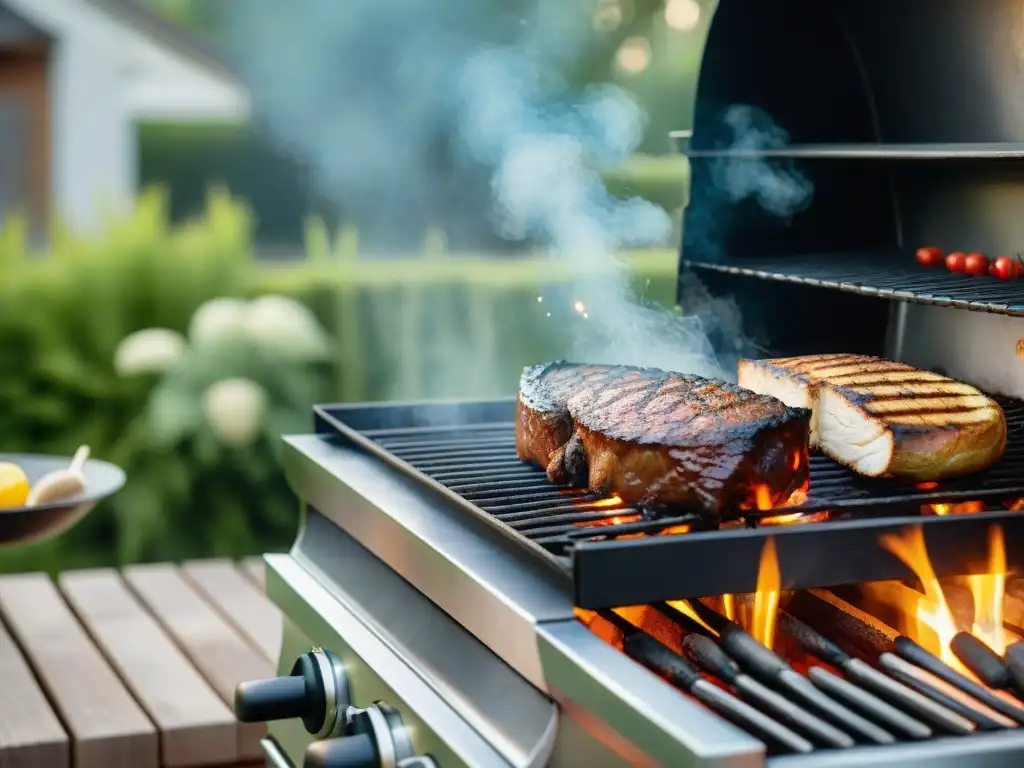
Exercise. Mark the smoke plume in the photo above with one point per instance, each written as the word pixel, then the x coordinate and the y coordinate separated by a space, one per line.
pixel 364 92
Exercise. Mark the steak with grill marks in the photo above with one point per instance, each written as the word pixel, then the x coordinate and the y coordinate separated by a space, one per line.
pixel 880 418
pixel 661 439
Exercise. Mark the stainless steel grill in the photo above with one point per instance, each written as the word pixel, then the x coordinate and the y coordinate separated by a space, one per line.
pixel 452 583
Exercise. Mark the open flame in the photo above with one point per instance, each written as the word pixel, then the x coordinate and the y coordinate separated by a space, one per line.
pixel 935 627
pixel 766 599
pixel 611 501
pixel 962 508
pixel 988 591
pixel 932 622
pixel 1017 506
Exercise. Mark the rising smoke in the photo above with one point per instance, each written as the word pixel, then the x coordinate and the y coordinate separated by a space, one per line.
pixel 362 91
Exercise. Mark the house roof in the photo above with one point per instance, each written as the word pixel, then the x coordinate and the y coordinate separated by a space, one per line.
pixel 167 71
pixel 184 41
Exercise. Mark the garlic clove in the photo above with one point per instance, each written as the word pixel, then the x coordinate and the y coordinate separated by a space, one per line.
pixel 61 483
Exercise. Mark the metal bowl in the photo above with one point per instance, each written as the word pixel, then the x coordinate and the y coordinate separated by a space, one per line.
pixel 20 525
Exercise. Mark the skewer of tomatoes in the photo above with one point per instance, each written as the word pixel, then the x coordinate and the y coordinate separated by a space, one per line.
pixel 977 264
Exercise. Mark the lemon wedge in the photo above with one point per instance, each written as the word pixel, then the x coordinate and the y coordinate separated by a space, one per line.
pixel 14 487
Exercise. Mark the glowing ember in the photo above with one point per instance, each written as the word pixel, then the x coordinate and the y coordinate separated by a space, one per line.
pixel 611 501
pixel 763 498
pixel 766 599
pixel 1017 506
pixel 929 485
pixel 988 591
pixel 963 508
pixel 935 626
pixel 614 520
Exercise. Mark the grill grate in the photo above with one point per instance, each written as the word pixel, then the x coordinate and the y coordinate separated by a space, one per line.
pixel 893 275
pixel 481 466
pixel 629 556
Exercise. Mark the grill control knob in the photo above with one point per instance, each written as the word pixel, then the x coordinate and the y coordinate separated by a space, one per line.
pixel 316 691
pixel 375 738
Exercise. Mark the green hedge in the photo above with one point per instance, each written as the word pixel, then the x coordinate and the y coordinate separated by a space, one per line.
pixel 436 325
pixel 189 157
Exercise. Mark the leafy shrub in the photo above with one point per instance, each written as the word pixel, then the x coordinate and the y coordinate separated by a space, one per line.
pixel 116 341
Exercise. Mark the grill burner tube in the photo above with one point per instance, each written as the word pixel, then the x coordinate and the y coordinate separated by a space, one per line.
pixel 770 667
pixel 948 696
pixel 706 653
pixel 915 654
pixel 868 676
pixel 647 651
pixel 982 661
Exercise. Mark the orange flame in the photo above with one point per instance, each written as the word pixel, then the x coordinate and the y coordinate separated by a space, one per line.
pixel 729 607
pixel 988 591
pixel 763 498
pixel 766 599
pixel 684 608
pixel 1017 506
pixel 935 627
pixel 962 508
pixel 611 501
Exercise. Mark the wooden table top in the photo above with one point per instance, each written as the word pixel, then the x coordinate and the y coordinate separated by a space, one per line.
pixel 138 667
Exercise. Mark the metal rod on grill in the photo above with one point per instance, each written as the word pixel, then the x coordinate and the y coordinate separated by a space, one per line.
pixel 982 661
pixel 821 647
pixel 1014 657
pixel 665 662
pixel 770 667
pixel 842 689
pixel 915 654
pixel 706 653
pixel 949 696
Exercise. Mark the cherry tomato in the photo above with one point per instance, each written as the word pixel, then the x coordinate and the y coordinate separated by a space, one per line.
pixel 1005 268
pixel 976 264
pixel 929 257
pixel 955 261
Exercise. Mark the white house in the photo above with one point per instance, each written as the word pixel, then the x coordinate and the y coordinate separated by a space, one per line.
pixel 76 78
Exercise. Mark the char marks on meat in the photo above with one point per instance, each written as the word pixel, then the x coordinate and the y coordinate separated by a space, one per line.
pixel 661 439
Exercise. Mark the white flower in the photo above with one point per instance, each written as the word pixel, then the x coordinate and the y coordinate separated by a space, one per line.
pixel 152 350
pixel 234 409
pixel 218 321
pixel 285 326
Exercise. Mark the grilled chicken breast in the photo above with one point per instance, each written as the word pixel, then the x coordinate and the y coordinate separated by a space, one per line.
pixel 882 418
pixel 661 439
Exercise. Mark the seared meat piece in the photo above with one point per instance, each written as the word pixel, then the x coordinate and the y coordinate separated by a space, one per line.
pixel 661 439
pixel 883 418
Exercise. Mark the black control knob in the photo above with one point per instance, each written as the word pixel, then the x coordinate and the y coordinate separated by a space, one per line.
pixel 359 751
pixel 316 691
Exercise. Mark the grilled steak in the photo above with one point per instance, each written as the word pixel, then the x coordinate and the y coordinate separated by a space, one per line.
pixel 882 418
pixel 661 439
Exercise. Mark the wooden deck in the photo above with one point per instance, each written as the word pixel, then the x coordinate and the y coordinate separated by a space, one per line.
pixel 138 667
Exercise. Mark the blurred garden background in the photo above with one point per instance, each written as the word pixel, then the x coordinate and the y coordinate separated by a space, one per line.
pixel 183 334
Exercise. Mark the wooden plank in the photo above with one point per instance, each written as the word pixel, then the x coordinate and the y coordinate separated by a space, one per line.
pixel 196 727
pixel 213 646
pixel 106 725
pixel 30 733
pixel 248 610
pixel 255 569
